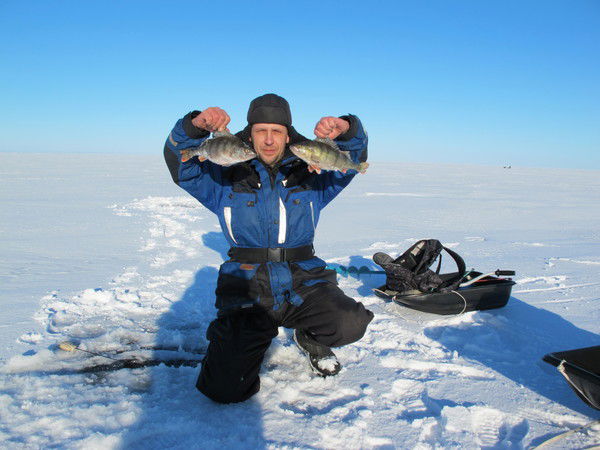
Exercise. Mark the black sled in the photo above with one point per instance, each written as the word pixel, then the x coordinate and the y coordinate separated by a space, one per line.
pixel 411 283
pixel 581 369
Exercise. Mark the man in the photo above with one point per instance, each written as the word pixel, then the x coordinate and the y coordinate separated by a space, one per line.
pixel 268 209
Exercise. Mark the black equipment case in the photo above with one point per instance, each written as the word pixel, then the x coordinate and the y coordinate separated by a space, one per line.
pixel 581 369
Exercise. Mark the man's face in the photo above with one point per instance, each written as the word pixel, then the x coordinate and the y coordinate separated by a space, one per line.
pixel 269 141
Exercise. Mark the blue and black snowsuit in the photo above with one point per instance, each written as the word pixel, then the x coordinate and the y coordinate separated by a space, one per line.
pixel 268 216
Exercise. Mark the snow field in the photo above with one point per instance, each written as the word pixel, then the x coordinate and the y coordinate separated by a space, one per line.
pixel 414 381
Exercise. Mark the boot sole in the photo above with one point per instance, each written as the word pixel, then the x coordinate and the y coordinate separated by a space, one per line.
pixel 312 367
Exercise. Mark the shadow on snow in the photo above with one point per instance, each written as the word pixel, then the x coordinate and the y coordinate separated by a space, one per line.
pixel 174 414
pixel 512 342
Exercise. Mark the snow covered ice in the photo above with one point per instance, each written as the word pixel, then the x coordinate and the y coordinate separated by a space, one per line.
pixel 105 251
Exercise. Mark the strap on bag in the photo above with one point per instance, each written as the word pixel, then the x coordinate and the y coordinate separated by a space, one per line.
pixel 417 260
pixel 460 263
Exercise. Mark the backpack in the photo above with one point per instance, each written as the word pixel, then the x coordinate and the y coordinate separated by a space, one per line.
pixel 412 283
pixel 411 272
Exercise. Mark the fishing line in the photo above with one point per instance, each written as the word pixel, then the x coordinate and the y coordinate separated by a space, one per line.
pixel 71 347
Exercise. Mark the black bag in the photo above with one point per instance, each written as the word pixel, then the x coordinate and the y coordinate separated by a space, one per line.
pixel 410 282
pixel 411 271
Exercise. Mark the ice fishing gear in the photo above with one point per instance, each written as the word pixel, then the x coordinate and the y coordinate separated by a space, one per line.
pixel 353 270
pixel 410 282
pixel 71 347
pixel 581 369
pixel 129 363
pixel 124 363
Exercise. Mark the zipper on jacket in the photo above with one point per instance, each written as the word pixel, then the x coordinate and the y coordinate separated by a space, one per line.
pixel 312 214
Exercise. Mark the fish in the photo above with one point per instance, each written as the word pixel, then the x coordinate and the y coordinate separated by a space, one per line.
pixel 325 154
pixel 223 148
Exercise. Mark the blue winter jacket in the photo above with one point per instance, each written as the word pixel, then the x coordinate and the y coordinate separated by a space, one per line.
pixel 261 207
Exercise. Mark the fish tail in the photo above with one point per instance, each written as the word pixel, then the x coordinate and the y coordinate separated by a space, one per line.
pixel 185 155
pixel 363 166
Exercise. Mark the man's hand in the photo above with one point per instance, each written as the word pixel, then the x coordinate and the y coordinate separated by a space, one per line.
pixel 331 127
pixel 212 119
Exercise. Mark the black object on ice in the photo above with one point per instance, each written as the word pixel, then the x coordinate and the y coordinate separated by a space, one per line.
pixel 321 358
pixel 163 355
pixel 131 364
pixel 581 369
pixel 411 283
pixel 126 363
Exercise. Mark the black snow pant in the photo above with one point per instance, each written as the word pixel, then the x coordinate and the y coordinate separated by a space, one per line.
pixel 239 339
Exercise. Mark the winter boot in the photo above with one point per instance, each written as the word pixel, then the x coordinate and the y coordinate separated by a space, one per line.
pixel 320 357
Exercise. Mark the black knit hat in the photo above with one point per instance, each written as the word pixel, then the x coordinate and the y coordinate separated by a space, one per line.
pixel 270 108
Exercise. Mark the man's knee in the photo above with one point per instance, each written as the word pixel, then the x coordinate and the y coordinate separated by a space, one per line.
pixel 237 345
pixel 226 389
pixel 331 317
pixel 352 324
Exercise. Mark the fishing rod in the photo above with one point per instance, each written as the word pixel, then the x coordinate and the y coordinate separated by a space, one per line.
pixel 71 347
pixel 122 363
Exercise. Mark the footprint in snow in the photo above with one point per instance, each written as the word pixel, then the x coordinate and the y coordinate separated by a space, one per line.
pixel 344 404
pixel 489 427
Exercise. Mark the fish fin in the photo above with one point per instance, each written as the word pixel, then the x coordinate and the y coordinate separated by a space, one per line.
pixel 312 168
pixel 328 141
pixel 363 166
pixel 223 133
pixel 187 154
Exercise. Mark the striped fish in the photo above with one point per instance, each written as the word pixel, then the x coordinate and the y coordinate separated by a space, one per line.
pixel 224 149
pixel 325 154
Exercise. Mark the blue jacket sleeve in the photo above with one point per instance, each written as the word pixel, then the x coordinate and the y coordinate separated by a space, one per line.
pixel 202 180
pixel 355 142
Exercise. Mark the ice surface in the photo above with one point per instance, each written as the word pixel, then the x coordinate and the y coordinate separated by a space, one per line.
pixel 104 251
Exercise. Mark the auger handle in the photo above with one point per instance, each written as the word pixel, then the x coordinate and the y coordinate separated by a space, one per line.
pixel 484 275
pixel 504 273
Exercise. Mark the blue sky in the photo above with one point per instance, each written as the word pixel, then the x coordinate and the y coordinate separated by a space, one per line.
pixel 495 83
